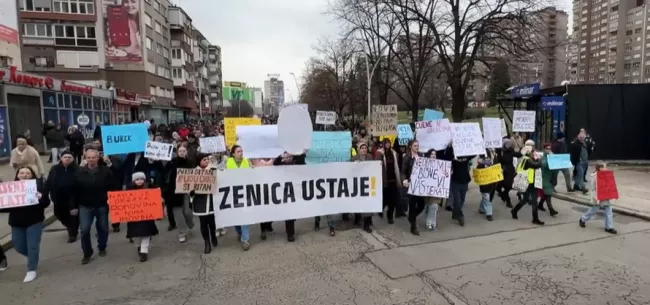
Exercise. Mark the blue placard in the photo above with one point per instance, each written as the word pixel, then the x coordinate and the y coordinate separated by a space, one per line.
pixel 559 161
pixel 404 133
pixel 124 139
pixel 432 115
pixel 329 146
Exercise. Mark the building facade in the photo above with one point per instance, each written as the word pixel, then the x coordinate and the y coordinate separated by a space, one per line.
pixel 10 54
pixel 183 60
pixel 200 52
pixel 215 77
pixel 273 95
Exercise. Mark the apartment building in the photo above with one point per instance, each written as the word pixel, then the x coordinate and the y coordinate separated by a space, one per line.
pixel 215 77
pixel 183 59
pixel 273 95
pixel 611 39
pixel 9 36
pixel 200 52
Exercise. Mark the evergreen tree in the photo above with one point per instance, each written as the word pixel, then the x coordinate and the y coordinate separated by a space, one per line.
pixel 499 81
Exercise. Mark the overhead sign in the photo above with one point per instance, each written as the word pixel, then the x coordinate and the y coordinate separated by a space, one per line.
pixel 13 76
pixel 550 103
pixel 83 120
pixel 525 91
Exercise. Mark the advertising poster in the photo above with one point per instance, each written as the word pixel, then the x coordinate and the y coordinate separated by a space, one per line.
pixel 8 22
pixel 122 23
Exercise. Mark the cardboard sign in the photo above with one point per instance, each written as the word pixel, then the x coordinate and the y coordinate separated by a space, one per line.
pixel 158 151
pixel 201 181
pixel 230 127
pixel 211 145
pixel 384 120
pixel 559 161
pixel 135 205
pixel 492 132
pixel 467 139
pixel 329 146
pixel 404 133
pixel 326 117
pixel 606 185
pixel 487 175
pixel 433 134
pixel 19 193
pixel 124 139
pixel 430 178
pixel 523 121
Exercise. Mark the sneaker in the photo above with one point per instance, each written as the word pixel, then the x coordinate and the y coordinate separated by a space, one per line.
pixel 4 264
pixel 489 217
pixel 332 232
pixel 143 257
pixel 182 239
pixel 582 223
pixel 291 238
pixel 538 222
pixel 221 232
pixel 429 226
pixel 245 245
pixel 30 276
pixel 611 231
pixel 102 253
pixel 86 260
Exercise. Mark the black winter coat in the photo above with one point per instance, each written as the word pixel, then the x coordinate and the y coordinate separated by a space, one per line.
pixel 91 188
pixel 509 171
pixel 61 183
pixel 169 186
pixel 202 204
pixel 77 141
pixel 143 228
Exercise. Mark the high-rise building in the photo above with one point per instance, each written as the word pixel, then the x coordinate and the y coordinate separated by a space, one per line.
pixel 273 94
pixel 215 77
pixel 258 100
pixel 183 59
pixel 9 38
pixel 610 42
pixel 200 48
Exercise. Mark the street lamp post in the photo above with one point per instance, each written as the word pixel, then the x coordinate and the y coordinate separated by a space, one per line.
pixel 369 74
pixel 297 86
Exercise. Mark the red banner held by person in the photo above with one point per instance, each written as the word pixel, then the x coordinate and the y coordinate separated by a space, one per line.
pixel 606 185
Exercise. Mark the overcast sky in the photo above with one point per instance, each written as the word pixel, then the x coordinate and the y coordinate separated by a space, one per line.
pixel 258 37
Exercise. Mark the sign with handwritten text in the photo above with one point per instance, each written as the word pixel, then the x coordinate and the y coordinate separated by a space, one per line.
pixel 211 145
pixel 430 178
pixel 487 175
pixel 326 117
pixel 158 151
pixel 135 205
pixel 492 132
pixel 230 127
pixel 19 193
pixel 523 121
pixel 124 139
pixel 384 120
pixel 433 134
pixel 329 146
pixel 467 139
pixel 404 133
pixel 199 181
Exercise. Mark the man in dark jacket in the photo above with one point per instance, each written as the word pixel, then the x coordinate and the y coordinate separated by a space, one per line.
pixel 77 142
pixel 55 141
pixel 90 201
pixel 580 159
pixel 559 147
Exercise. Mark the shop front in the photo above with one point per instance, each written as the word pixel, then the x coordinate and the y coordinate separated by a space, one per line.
pixel 28 101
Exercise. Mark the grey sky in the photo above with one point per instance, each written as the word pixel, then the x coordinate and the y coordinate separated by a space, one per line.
pixel 258 37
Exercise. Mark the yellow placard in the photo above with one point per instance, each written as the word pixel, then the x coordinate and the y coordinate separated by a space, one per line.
pixel 488 175
pixel 391 138
pixel 230 126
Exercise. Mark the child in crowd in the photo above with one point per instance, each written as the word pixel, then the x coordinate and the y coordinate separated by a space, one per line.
pixel 143 229
pixel 487 191
pixel 609 215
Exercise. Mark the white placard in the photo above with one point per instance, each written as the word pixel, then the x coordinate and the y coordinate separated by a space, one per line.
pixel 384 120
pixel 19 193
pixel 303 106
pixel 211 145
pixel 467 139
pixel 433 134
pixel 504 128
pixel 326 117
pixel 294 130
pixel 275 193
pixel 158 151
pixel 492 132
pixel 259 141
pixel 430 178
pixel 538 179
pixel 523 121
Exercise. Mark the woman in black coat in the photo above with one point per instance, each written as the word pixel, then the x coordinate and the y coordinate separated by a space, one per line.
pixel 203 206
pixel 144 229
pixel 506 158
pixel 175 202
pixel 60 183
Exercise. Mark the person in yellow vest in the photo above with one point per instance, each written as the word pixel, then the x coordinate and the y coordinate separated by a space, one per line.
pixel 203 206
pixel 528 164
pixel 237 160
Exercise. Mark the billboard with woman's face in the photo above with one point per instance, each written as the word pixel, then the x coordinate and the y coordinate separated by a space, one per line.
pixel 123 38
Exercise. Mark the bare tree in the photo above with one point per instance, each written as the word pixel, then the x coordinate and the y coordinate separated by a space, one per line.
pixel 468 32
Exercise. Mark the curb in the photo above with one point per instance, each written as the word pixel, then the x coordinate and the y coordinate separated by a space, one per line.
pixel 615 209
pixel 7 245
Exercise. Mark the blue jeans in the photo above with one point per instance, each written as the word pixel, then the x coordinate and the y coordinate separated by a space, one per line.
pixel 330 220
pixel 27 242
pixel 458 192
pixel 581 168
pixel 486 204
pixel 609 215
pixel 86 217
pixel 431 212
pixel 243 231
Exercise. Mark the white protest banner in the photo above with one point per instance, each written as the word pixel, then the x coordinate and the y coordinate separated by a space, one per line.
pixel 18 194
pixel 158 151
pixel 254 195
pixel 430 178
pixel 492 132
pixel 523 121
pixel 285 105
pixel 259 141
pixel 211 145
pixel 384 120
pixel 467 139
pixel 433 134
pixel 326 117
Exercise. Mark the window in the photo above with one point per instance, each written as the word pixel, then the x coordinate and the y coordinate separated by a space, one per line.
pixel 177 73
pixel 156 6
pixel 158 27
pixel 31 5
pixel 149 43
pixel 159 48
pixel 176 53
pixel 165 52
pixel 165 31
pixel 37 30
pixel 75 35
pixel 84 7
pixel 147 20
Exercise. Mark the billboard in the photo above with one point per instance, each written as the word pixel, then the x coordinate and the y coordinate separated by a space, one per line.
pixel 123 39
pixel 8 22
pixel 237 91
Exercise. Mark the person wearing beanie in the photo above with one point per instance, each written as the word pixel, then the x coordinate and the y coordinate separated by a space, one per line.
pixel 60 183
pixel 530 143
pixel 203 206
pixel 144 229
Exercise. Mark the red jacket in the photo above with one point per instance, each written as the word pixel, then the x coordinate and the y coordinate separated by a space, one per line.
pixel 184 132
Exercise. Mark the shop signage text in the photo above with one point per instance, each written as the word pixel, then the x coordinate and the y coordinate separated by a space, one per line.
pixel 13 76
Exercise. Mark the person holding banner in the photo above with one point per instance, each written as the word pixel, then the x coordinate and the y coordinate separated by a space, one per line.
pixel 460 178
pixel 237 160
pixel 177 205
pixel 26 221
pixel 391 175
pixel 508 154
pixel 528 164
pixel 290 224
pixel 416 203
pixel 144 229
pixel 363 155
pixel 203 206
pixel 604 204
pixel 547 183
pixel 487 190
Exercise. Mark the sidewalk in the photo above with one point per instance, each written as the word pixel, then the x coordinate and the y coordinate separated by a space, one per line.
pixel 7 173
pixel 632 184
